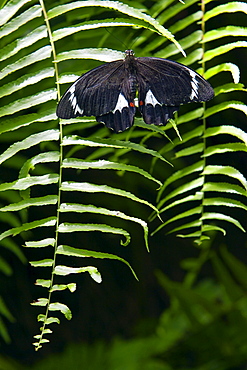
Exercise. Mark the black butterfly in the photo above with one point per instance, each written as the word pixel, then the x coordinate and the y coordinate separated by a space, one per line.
pixel 108 91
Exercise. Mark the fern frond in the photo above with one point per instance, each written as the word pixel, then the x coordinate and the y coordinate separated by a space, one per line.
pixel 44 155
pixel 196 193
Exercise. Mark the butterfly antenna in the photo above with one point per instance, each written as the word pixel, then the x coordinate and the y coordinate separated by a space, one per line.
pixel 116 38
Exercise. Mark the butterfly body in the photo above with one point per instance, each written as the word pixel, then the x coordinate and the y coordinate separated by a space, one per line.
pixel 108 92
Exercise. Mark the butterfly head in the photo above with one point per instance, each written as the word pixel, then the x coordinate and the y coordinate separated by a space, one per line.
pixel 129 53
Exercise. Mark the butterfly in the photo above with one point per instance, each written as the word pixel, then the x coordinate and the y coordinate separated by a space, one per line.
pixel 108 92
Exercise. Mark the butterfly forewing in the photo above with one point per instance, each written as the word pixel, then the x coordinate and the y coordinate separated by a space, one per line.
pixel 103 92
pixel 94 93
pixel 173 83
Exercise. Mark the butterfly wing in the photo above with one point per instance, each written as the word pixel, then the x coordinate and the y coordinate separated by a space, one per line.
pixel 103 92
pixel 164 85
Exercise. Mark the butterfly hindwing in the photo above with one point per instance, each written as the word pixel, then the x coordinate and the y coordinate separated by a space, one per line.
pixel 152 109
pixel 122 116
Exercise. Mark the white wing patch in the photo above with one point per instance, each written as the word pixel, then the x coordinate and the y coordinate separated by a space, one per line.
pixel 122 102
pixel 194 85
pixel 73 101
pixel 151 99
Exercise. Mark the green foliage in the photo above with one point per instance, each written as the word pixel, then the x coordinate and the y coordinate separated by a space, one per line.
pixel 200 177
pixel 200 330
pixel 70 171
pixel 23 109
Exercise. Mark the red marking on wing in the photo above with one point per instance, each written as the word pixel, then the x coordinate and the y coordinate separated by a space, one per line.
pixel 132 104
pixel 141 102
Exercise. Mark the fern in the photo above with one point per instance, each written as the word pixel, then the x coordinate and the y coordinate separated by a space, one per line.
pixel 28 57
pixel 39 53
pixel 206 198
